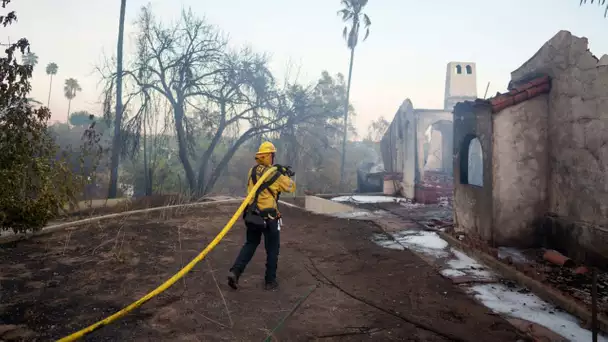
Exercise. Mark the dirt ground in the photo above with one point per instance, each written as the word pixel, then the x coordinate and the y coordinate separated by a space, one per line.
pixel 56 284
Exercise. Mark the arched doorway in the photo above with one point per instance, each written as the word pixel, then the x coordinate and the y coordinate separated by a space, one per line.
pixel 437 147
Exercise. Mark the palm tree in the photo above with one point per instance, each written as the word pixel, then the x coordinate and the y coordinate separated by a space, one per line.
pixel 352 14
pixel 116 144
pixel 34 101
pixel 30 58
pixel 600 3
pixel 51 70
pixel 70 89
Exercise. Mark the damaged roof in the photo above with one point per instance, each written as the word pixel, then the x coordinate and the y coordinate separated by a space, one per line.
pixel 520 93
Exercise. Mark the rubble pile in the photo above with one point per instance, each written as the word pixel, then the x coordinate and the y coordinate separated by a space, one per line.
pixel 557 271
pixel 577 283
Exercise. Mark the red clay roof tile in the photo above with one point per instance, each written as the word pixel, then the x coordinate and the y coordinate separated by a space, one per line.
pixel 519 94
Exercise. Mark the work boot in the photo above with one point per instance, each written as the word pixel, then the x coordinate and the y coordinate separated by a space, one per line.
pixel 233 280
pixel 271 285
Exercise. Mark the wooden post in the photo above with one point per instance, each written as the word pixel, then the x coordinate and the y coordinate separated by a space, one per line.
pixel 486 93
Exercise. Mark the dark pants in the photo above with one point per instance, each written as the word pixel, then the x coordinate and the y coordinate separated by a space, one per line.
pixel 271 242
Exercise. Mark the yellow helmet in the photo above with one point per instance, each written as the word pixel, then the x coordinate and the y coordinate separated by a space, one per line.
pixel 266 147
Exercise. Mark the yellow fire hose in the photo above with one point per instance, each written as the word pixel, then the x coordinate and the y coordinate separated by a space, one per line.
pixel 100 324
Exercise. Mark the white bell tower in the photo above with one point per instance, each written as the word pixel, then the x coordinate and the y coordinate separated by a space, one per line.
pixel 460 83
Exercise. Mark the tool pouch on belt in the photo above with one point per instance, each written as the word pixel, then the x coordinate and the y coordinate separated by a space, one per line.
pixel 256 218
pixel 253 216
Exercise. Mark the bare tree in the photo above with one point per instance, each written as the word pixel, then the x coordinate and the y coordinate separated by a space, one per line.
pixel 158 144
pixel 189 66
pixel 314 114
pixel 225 97
pixel 376 129
pixel 242 91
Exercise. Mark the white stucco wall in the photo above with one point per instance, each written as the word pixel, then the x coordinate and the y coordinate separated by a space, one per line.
pixel 520 170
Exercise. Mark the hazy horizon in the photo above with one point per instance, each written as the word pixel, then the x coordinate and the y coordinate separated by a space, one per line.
pixel 405 56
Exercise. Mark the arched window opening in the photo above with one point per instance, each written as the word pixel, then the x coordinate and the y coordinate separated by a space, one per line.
pixel 471 162
pixel 475 167
pixel 432 149
pixel 469 70
pixel 459 69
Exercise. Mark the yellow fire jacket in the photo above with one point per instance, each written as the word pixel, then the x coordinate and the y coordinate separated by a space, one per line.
pixel 268 197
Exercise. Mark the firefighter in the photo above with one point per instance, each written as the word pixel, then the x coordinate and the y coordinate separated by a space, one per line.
pixel 262 216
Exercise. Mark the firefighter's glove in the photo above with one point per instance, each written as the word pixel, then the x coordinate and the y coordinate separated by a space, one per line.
pixel 285 170
pixel 289 172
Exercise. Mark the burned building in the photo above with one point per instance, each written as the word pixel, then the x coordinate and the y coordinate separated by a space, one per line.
pixel 418 143
pixel 542 164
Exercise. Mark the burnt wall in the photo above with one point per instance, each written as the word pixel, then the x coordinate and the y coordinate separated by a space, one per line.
pixel 473 203
pixel 447 147
pixel 578 123
pixel 578 142
pixel 398 146
pixel 578 240
pixel 440 120
pixel 520 171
